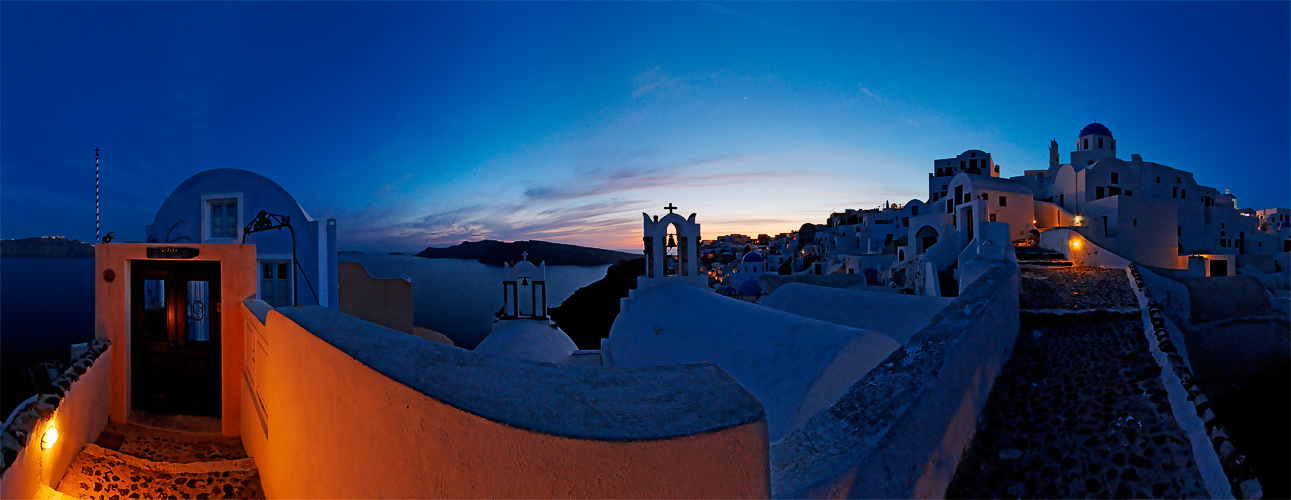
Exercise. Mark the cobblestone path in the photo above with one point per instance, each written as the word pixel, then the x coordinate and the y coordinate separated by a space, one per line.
pixel 1079 411
pixel 131 462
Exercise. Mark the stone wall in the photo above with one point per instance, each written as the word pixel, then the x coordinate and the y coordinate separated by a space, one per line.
pixel 76 407
pixel 1205 428
pixel 356 410
pixel 900 431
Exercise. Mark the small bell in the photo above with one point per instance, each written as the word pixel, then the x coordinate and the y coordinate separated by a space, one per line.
pixel 524 281
pixel 672 242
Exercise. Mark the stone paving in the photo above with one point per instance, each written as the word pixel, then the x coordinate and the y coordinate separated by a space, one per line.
pixel 1079 411
pixel 154 463
pixel 1076 288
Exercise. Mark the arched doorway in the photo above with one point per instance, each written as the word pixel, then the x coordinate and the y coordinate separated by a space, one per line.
pixel 924 238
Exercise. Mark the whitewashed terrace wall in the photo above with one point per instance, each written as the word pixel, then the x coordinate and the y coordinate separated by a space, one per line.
pixel 77 408
pixel 355 410
pixel 900 431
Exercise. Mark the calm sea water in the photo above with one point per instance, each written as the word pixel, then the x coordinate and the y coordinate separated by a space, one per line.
pixel 46 305
pixel 458 297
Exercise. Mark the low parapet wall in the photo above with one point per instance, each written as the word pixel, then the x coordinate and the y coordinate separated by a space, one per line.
pixel 900 431
pixel 76 409
pixel 349 409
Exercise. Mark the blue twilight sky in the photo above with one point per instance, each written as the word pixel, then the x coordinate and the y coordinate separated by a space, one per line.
pixel 421 124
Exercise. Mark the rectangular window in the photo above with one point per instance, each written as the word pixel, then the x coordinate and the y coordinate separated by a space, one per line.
pixel 963 164
pixel 1136 223
pixel 1113 191
pixel 1115 178
pixel 1175 193
pixel 992 217
pixel 224 218
pixel 1178 230
pixel 1158 180
pixel 972 164
pixel 1004 201
pixel 1183 193
pixel 1129 193
pixel 905 222
pixel 1098 193
pixel 275 282
pixel 914 210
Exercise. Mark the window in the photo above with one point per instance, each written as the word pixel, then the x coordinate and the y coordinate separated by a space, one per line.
pixel 275 282
pixel 1136 223
pixel 1177 180
pixel 1100 143
pixel 1178 230
pixel 1086 143
pixel 1098 193
pixel 1113 191
pixel 224 219
pixel 905 222
pixel 1115 178
pixel 992 217
pixel 1129 192
pixel 972 155
pixel 963 164
pixel 1113 144
pixel 1175 193
pixel 914 210
pixel 1158 180
pixel 1004 201
pixel 1183 193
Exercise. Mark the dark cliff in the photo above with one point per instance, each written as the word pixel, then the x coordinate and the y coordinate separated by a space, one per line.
pixel 45 246
pixel 495 253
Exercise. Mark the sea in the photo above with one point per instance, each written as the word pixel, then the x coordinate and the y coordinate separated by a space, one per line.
pixel 47 304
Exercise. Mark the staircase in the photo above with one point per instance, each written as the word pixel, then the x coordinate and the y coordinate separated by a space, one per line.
pixel 1079 410
pixel 132 461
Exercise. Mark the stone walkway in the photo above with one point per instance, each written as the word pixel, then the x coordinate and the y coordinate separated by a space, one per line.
pixel 132 461
pixel 1079 410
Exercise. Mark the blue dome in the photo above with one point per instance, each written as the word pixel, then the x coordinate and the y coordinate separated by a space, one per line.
pixel 1095 129
pixel 753 257
pixel 750 287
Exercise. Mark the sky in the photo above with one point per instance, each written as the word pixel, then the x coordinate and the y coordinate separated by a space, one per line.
pixel 421 124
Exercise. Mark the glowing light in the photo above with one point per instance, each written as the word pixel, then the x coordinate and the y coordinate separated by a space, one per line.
pixel 1078 220
pixel 1075 243
pixel 50 437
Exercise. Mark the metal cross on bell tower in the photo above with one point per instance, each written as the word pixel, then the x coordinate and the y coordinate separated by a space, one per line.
pixel 670 208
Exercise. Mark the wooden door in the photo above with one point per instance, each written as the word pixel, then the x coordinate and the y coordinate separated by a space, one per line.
pixel 175 332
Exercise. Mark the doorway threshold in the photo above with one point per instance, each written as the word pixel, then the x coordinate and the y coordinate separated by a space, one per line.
pixel 172 422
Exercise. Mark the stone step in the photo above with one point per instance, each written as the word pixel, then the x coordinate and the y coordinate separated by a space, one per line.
pixel 104 474
pixel 164 445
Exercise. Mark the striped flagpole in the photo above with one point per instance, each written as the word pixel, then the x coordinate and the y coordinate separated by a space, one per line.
pixel 97 236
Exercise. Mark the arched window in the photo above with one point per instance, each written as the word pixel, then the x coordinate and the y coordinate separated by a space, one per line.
pixel 1100 143
pixel 1086 143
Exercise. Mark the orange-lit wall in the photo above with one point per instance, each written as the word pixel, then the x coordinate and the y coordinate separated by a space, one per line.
pixel 112 317
pixel 337 428
pixel 80 417
pixel 384 301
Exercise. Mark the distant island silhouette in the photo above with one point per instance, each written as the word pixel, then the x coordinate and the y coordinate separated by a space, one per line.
pixel 46 246
pixel 495 253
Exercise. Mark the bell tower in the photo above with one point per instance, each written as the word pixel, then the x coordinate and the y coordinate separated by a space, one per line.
pixel 661 234
pixel 524 290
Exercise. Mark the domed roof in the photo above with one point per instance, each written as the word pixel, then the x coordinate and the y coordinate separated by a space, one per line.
pixel 750 287
pixel 1095 129
pixel 753 257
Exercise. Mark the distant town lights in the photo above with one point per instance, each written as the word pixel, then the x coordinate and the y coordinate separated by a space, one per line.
pixel 51 436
